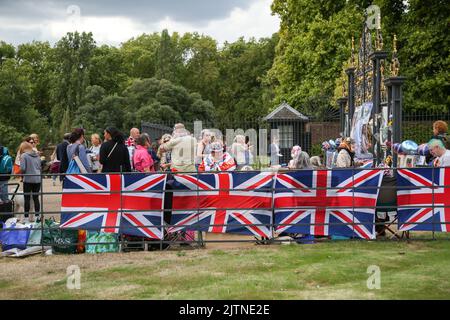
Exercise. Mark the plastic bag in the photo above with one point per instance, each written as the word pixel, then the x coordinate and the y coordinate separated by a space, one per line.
pixel 101 242
pixel 35 235
pixel 14 235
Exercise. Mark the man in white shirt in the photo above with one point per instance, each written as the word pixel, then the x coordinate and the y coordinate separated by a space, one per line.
pixel 438 150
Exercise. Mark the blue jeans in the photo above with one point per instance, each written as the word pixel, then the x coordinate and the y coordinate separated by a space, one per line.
pixel 4 191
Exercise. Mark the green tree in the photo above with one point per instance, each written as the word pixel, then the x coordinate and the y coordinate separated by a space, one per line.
pixel 169 58
pixel 424 43
pixel 162 100
pixel 200 61
pixel 16 111
pixel 100 112
pixel 7 51
pixel 156 112
pixel 140 55
pixel 37 57
pixel 108 69
pixel 314 44
pixel 72 57
pixel 244 92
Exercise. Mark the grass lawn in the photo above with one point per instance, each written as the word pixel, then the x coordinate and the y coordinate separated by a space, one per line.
pixel 331 270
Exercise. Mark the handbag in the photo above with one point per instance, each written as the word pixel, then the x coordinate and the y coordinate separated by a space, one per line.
pixel 75 165
pixel 15 236
pixel 109 154
pixel 54 167
pixel 61 240
pixel 16 169
pixel 35 235
pixel 65 241
pixel 111 151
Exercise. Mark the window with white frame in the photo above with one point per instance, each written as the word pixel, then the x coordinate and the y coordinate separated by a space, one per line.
pixel 286 133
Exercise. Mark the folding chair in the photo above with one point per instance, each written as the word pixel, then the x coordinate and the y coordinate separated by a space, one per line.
pixel 387 202
pixel 185 238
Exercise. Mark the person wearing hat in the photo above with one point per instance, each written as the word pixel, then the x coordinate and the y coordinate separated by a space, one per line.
pixel 182 147
pixel 346 154
pixel 165 156
pixel 300 159
pixel 217 160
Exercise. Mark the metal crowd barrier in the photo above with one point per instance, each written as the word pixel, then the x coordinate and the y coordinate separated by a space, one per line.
pixel 200 242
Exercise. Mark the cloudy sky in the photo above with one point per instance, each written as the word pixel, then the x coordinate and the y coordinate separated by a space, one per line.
pixel 115 21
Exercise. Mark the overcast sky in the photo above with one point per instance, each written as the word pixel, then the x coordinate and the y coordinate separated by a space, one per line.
pixel 115 21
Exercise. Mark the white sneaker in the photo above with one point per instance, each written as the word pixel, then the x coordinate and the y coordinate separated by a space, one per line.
pixel 26 220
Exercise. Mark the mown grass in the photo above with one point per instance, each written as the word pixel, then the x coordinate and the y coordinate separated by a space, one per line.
pixel 333 270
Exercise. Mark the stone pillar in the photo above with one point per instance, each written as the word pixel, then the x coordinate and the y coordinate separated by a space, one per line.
pixel 395 103
pixel 351 96
pixel 342 102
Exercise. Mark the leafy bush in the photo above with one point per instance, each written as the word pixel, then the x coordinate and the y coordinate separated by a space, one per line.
pixel 10 138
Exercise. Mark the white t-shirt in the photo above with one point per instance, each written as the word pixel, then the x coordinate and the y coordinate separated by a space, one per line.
pixel 444 160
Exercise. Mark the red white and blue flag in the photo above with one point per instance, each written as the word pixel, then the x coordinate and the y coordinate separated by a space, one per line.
pixel 366 164
pixel 127 203
pixel 327 202
pixel 238 202
pixel 418 189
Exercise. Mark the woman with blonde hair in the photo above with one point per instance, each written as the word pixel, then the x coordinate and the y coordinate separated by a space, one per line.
pixel 94 152
pixel 35 138
pixel 30 166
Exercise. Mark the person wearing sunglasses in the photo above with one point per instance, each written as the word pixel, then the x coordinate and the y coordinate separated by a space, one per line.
pixel 35 142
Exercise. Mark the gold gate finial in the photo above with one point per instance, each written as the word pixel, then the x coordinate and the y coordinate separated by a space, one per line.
pixel 353 53
pixel 395 65
pixel 379 37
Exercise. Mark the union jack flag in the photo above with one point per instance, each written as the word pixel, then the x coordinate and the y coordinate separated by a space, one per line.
pixel 418 189
pixel 225 202
pixel 327 202
pixel 108 203
pixel 366 164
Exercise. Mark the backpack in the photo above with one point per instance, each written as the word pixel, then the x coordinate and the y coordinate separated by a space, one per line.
pixel 6 161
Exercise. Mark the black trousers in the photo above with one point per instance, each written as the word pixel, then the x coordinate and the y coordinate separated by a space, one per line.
pixel 31 190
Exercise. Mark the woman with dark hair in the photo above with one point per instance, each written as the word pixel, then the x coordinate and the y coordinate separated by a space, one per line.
pixel 77 148
pixel 114 155
pixel 142 160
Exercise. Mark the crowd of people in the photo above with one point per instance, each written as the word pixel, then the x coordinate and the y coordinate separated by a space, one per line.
pixel 176 152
